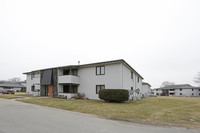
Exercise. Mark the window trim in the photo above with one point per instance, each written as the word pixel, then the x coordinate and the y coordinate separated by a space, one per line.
pixel 100 88
pixel 101 73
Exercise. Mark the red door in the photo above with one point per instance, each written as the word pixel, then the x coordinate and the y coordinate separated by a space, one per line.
pixel 50 87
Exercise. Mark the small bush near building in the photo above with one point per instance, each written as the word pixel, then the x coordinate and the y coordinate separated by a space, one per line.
pixel 114 95
pixel 79 96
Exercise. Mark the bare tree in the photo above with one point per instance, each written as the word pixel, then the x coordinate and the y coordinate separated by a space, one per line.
pixel 167 83
pixel 15 80
pixel 2 81
pixel 197 78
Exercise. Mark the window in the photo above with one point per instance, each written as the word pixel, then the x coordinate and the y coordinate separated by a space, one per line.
pixel 192 89
pixel 181 94
pixel 32 76
pixel 192 94
pixel 66 72
pixel 131 88
pixel 33 88
pixel 100 70
pixel 138 79
pixel 68 89
pixel 99 87
pixel 72 72
pixel 180 89
pixel 199 89
pixel 131 75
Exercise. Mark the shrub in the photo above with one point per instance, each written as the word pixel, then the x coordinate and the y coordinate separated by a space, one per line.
pixel 114 95
pixel 79 96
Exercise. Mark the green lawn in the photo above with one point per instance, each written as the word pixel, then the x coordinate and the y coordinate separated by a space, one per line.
pixel 172 111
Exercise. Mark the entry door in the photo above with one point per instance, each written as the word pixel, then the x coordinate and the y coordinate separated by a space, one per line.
pixel 46 93
pixel 50 88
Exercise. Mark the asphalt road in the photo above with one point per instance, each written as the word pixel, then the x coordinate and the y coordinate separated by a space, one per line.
pixel 18 117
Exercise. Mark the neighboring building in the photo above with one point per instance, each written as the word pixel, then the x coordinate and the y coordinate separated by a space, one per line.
pixel 156 91
pixel 146 89
pixel 18 87
pixel 87 79
pixel 23 83
pixel 184 90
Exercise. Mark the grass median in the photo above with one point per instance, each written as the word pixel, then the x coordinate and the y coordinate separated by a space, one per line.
pixel 14 96
pixel 171 111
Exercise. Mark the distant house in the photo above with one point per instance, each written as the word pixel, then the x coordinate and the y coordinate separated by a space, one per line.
pixel 146 89
pixel 184 90
pixel 156 91
pixel 86 78
pixel 18 87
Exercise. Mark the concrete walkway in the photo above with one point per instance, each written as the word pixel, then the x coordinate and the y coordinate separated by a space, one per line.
pixel 18 117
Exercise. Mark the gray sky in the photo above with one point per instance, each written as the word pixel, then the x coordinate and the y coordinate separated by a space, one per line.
pixel 160 39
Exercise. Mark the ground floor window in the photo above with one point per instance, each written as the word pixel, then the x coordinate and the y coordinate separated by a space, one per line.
pixel 33 88
pixel 99 87
pixel 180 93
pixel 70 89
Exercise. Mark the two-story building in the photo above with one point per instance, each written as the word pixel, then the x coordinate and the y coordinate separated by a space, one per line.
pixel 181 90
pixel 87 79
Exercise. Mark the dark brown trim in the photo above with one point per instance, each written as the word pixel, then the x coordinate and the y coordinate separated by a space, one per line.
pixel 100 70
pixel 100 88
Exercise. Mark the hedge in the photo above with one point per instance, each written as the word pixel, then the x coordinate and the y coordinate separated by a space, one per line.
pixel 114 95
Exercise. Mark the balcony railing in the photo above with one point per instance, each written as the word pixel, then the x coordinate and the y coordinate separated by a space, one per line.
pixel 69 79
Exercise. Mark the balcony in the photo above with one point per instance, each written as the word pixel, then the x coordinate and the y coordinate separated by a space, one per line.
pixel 64 79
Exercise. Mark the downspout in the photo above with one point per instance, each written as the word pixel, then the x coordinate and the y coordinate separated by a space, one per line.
pixel 122 77
pixel 70 73
pixel 58 74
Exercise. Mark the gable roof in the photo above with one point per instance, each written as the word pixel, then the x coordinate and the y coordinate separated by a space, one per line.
pixel 180 86
pixel 10 84
pixel 145 83
pixel 94 64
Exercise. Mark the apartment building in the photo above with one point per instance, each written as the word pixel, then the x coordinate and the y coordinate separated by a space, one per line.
pixel 184 90
pixel 146 89
pixel 87 79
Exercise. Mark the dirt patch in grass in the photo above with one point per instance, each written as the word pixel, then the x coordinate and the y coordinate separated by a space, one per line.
pixel 171 111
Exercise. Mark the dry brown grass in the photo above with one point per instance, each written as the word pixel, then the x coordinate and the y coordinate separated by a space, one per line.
pixel 172 111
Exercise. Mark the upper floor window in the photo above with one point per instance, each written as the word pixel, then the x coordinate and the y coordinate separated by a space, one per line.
pixel 131 88
pixel 100 70
pixel 32 76
pixel 70 72
pixel 192 89
pixel 180 89
pixel 138 79
pixel 131 75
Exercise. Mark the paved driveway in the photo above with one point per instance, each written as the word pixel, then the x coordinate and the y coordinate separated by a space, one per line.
pixel 18 117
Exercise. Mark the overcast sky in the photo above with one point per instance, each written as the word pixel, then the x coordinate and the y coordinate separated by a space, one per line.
pixel 160 39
